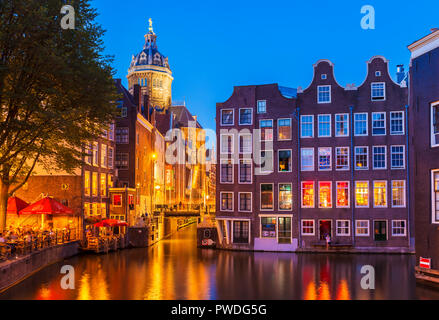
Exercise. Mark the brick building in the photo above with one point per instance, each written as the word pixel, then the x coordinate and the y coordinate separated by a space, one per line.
pixel 335 164
pixel 424 121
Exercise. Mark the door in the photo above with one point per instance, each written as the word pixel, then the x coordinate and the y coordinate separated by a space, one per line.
pixel 284 230
pixel 325 229
pixel 380 233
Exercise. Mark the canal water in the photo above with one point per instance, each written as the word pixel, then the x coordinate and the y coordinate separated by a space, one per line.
pixel 177 269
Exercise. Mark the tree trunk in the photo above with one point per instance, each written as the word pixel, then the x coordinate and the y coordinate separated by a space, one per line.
pixel 4 195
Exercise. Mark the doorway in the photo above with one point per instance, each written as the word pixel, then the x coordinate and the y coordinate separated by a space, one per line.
pixel 325 228
pixel 380 230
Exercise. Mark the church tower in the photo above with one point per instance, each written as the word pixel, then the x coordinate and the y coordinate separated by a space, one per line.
pixel 150 69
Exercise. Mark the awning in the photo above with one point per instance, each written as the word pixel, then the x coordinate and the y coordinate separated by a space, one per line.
pixel 46 206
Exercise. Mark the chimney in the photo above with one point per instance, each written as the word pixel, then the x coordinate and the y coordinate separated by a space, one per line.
pixel 136 95
pixel 400 74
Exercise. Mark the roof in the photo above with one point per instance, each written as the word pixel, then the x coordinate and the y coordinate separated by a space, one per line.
pixel 150 55
pixel 182 117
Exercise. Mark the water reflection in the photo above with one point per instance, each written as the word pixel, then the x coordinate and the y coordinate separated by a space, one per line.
pixel 176 269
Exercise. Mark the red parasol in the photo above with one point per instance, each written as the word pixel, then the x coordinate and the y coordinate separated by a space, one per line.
pixel 15 205
pixel 111 223
pixel 47 206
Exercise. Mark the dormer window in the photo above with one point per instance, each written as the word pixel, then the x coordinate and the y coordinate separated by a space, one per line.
pixel 377 73
pixel 157 58
pixel 378 91
pixel 324 94
pixel 324 76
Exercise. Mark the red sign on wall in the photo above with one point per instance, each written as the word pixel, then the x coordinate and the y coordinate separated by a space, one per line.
pixel 425 263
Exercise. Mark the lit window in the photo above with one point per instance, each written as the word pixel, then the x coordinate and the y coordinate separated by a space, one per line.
pixel 380 194
pixel 245 143
pixel 267 196
pixel 397 122
pixel 284 160
pixel 399 228
pixel 398 193
pixel 117 200
pixel 307 159
pixel 226 171
pixel 325 194
pixel 285 196
pixel 94 184
pixel 379 157
pixel 87 183
pixel 308 194
pixel 226 143
pixel 361 158
pixel 342 125
pixel 362 194
pixel 266 127
pixel 342 194
pixel 435 195
pixel 245 116
pixel 245 171
pixel 434 125
pixel 227 117
pixel 324 94
pixel 241 232
pixel 325 162
pixel 104 156
pixel 284 232
pixel 342 158
pixel 103 184
pixel 245 201
pixel 308 227
pixel 226 201
pixel 378 123
pixel 95 154
pixel 324 125
pixel 343 228
pixel 397 157
pixel 284 129
pixel 262 106
pixel 267 161
pixel 362 228
pixel 378 91
pixel 268 227
pixel 86 210
pixel 307 126
pixel 360 124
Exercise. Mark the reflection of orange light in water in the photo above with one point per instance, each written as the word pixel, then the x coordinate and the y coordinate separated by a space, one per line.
pixel 343 291
pixel 84 288
pixel 323 290
pixel 44 294
pixel 310 292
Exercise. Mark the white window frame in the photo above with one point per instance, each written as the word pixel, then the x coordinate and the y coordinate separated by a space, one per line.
pixel 433 198
pixel 338 148
pixel 233 170
pixel 301 195
pixel 318 126
pixel 239 117
pixel 291 160
pixel 403 123
pixel 291 129
pixel 257 106
pixel 368 194
pixel 405 228
pixel 233 201
pixel 357 226
pixel 385 124
pixel 278 195
pixel 371 91
pixel 355 158
pixel 331 195
pixel 385 157
pixel 260 196
pixel 232 147
pixel 367 124
pixel 404 192
pixel 318 94
pixel 313 160
pixel 386 189
pixel 232 227
pixel 330 159
pixel 233 117
pixel 239 171
pixel 348 192
pixel 337 228
pixel 239 143
pixel 239 201
pixel 432 134
pixel 335 124
pixel 272 162
pixel 313 227
pixel 403 157
pixel 312 126
pixel 272 129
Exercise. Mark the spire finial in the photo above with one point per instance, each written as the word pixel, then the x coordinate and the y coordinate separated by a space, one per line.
pixel 151 30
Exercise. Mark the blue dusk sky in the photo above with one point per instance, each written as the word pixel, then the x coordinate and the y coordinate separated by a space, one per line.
pixel 215 45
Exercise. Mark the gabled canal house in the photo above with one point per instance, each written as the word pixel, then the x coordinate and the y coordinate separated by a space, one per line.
pixel 424 119
pixel 335 165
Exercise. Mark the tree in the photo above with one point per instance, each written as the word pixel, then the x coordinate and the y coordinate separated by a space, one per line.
pixel 56 89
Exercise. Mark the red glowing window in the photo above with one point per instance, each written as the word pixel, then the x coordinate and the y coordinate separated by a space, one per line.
pixel 343 194
pixel 308 194
pixel 325 195
pixel 117 200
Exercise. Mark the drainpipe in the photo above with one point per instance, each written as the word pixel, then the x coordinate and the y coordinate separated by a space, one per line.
pixel 352 156
pixel 297 116
pixel 407 191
